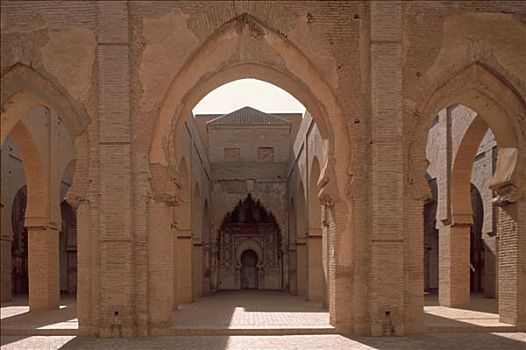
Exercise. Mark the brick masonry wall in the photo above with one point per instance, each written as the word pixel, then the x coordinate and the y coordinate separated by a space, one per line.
pixel 379 64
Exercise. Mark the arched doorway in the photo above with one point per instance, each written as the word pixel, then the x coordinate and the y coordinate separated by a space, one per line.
pixel 249 227
pixel 249 270
pixel 203 73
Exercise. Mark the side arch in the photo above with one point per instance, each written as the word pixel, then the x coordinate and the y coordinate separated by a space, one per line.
pixel 461 209
pixel 22 90
pixel 38 200
pixel 499 106
pixel 503 110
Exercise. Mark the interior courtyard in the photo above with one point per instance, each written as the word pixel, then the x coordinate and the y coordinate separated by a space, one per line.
pixel 385 210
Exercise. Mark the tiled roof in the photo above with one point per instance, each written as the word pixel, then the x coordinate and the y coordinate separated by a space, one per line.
pixel 248 116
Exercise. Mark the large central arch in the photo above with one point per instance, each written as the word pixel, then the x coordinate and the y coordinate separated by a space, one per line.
pixel 209 68
pixel 232 53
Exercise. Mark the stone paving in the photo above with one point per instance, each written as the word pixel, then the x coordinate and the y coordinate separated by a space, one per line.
pixel 466 341
pixel 256 313
pixel 251 309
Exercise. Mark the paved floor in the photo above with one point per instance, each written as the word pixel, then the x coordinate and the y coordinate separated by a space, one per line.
pixel 482 313
pixel 251 309
pixel 15 314
pixel 465 341
pixel 268 312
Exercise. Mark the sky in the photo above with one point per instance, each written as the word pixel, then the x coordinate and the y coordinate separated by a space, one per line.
pixel 254 93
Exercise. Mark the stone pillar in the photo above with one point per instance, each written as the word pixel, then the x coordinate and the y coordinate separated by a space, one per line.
pixel 44 282
pixel 160 264
pixel 316 281
pixel 453 288
pixel 387 260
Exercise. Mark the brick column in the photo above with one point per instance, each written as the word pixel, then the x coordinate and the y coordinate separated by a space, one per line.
pixel 207 268
pixel 289 268
pixel 386 273
pixel 184 247
pixel 44 282
pixel 118 297
pixel 160 264
pixel 301 267
pixel 316 282
pixel 5 270
pixel 85 270
pixel 197 270
pixel 512 263
pixel 453 262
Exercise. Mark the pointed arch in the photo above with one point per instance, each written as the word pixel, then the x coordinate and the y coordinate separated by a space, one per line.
pixel 234 52
pixel 500 106
pixel 211 66
pixel 503 110
pixel 35 170
pixel 24 89
pixel 461 210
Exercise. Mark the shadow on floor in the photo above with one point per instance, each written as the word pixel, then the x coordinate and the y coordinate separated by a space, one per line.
pixel 15 314
pixel 465 341
pixel 447 341
pixel 478 302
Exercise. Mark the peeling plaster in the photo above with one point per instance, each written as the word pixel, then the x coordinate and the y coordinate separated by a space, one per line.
pixel 168 43
pixel 69 56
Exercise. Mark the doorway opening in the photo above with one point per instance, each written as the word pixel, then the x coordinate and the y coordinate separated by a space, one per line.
pixel 238 170
pixel 249 270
